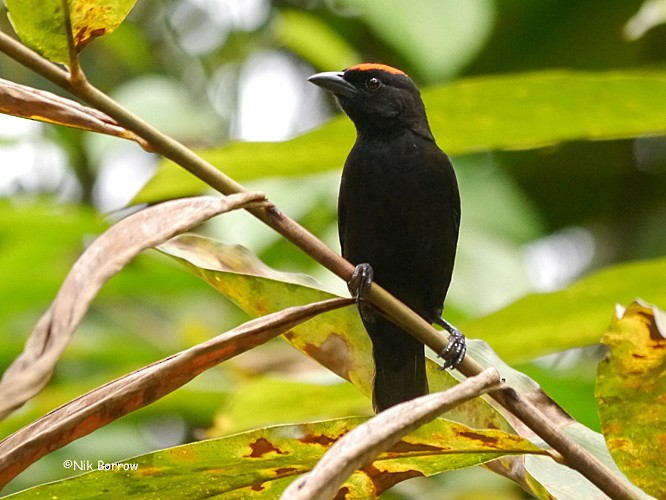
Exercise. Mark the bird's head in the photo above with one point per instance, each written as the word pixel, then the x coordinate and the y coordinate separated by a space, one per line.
pixel 377 98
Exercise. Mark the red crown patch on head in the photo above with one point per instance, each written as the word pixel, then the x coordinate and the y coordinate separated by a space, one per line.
pixel 381 67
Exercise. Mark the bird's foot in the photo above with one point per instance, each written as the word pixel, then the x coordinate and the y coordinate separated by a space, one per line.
pixel 361 281
pixel 455 349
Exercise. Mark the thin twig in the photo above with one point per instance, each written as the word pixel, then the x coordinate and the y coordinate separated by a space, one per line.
pixel 576 457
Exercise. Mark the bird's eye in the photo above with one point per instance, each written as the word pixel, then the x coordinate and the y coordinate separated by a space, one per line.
pixel 373 83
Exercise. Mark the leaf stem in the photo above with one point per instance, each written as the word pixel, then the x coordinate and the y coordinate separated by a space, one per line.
pixel 74 66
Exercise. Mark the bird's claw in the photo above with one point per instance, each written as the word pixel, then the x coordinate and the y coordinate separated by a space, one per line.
pixel 455 349
pixel 361 281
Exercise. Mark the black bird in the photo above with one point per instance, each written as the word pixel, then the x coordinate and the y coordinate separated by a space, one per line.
pixel 398 217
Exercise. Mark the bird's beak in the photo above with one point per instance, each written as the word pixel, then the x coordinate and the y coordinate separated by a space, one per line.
pixel 334 82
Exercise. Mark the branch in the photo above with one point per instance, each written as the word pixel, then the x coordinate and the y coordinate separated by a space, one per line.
pixel 363 444
pixel 146 385
pixel 178 153
pixel 575 456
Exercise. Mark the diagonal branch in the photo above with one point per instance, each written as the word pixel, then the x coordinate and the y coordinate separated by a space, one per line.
pixel 186 158
pixel 575 456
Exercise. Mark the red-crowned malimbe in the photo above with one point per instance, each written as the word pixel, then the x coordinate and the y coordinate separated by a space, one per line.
pixel 398 216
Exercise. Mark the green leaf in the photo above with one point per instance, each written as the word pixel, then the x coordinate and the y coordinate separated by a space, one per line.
pixel 290 401
pixel 466 25
pixel 631 391
pixel 333 339
pixel 41 23
pixel 38 243
pixel 337 339
pixel 572 388
pixel 261 463
pixel 322 149
pixel 547 478
pixel 550 479
pixel 521 111
pixel 313 40
pixel 539 324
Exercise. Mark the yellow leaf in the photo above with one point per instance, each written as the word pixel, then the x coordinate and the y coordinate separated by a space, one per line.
pixel 631 394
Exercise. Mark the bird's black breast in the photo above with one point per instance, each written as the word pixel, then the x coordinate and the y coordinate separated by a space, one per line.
pixel 399 211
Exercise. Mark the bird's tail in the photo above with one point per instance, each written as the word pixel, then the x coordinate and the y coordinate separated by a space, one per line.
pixel 399 364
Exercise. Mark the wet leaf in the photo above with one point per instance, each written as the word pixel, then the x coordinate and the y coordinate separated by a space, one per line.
pixel 631 394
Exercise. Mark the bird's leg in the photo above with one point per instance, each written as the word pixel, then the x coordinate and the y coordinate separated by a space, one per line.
pixel 361 281
pixel 455 349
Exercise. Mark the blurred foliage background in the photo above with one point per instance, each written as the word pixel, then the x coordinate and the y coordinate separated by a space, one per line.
pixel 212 71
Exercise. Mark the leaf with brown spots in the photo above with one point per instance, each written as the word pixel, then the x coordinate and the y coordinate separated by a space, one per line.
pixel 631 392
pixel 377 453
pixel 336 340
pixel 144 386
pixel 40 24
pixel 262 463
pixel 261 447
